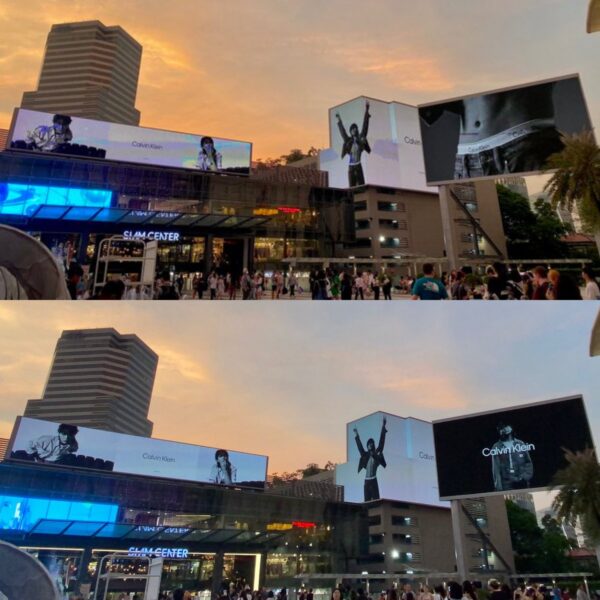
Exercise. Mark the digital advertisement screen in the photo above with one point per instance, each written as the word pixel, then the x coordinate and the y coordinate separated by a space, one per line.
pixel 374 143
pixel 391 458
pixel 62 134
pixel 512 131
pixel 24 199
pixel 49 443
pixel 509 450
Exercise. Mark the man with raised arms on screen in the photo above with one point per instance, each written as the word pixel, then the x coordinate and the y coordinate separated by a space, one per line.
pixel 370 459
pixel 354 145
pixel 507 132
pixel 512 468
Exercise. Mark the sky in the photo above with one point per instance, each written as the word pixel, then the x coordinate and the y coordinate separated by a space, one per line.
pixel 284 382
pixel 268 70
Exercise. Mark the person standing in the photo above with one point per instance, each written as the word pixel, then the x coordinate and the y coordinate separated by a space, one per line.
pixel 292 283
pixel 346 285
pixel 428 287
pixel 541 283
pixel 581 593
pixel 592 291
pixel 386 286
pixel 212 284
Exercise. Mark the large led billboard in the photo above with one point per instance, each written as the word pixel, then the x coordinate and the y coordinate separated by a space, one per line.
pixel 374 143
pixel 49 443
pixel 63 134
pixel 510 449
pixel 511 131
pixel 22 199
pixel 389 457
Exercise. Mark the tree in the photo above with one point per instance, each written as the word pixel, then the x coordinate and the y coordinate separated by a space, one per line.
pixel 311 469
pixel 579 495
pixel 577 179
pixel 530 234
pixel 537 549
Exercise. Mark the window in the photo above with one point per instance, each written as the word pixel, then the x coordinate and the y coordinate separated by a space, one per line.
pixel 392 224
pixel 360 243
pixel 388 242
pixel 391 207
pixel 376 538
pixel 374 520
pixel 401 520
pixel 358 206
pixel 362 224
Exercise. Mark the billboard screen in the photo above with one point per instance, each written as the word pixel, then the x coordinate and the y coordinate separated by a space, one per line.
pixel 51 443
pixel 374 142
pixel 389 457
pixel 511 131
pixel 62 134
pixel 24 199
pixel 507 450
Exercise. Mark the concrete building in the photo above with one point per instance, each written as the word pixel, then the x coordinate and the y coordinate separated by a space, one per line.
pixel 89 70
pixel 515 184
pixel 405 537
pixel 100 379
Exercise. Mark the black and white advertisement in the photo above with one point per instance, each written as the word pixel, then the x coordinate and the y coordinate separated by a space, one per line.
pixel 389 457
pixel 41 132
pixel 517 449
pixel 506 132
pixel 61 444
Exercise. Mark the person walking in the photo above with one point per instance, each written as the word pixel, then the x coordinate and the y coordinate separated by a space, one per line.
pixel 592 291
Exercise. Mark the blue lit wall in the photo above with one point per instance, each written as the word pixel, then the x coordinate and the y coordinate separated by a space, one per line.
pixel 24 200
pixel 22 513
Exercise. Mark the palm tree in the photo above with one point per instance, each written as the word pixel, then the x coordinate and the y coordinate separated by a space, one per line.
pixel 576 181
pixel 579 495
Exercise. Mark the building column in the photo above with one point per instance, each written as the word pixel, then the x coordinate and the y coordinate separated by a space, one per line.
pixel 81 255
pixel 459 546
pixel 83 578
pixel 217 578
pixel 446 202
pixel 208 255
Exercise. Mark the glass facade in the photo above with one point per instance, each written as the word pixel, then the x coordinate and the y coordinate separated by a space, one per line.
pixel 286 219
pixel 278 537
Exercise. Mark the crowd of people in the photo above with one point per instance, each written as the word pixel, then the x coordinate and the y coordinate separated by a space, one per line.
pixel 498 283
pixel 503 283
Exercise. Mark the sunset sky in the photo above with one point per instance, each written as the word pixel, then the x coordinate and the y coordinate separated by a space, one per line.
pixel 284 381
pixel 268 70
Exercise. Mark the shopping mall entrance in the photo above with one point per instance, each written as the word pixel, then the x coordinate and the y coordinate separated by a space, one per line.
pixel 230 255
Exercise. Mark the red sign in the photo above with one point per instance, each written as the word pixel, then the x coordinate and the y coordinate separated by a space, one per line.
pixel 303 524
pixel 288 210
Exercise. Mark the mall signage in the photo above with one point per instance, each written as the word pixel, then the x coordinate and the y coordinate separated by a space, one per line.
pixel 56 444
pixel 403 453
pixel 47 133
pixel 159 236
pixel 510 131
pixel 136 551
pixel 373 142
pixel 508 450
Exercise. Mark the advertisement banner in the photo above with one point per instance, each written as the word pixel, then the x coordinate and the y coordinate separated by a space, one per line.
pixel 374 143
pixel 49 443
pixel 509 450
pixel 389 457
pixel 512 131
pixel 62 134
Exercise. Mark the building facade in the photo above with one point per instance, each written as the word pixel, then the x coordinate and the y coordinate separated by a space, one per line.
pixel 89 70
pixel 204 220
pixel 208 536
pixel 99 378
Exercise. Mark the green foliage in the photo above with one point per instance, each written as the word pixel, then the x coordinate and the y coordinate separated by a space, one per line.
pixel 294 155
pixel 577 177
pixel 537 549
pixel 579 496
pixel 531 234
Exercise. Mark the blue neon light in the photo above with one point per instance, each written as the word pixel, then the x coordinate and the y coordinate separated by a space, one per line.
pixel 24 200
pixel 21 513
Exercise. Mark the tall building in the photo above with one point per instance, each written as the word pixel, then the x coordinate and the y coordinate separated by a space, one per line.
pixel 101 379
pixel 3 447
pixel 524 501
pixel 89 70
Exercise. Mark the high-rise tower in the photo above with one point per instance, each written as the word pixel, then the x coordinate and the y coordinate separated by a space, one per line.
pixel 91 71
pixel 100 379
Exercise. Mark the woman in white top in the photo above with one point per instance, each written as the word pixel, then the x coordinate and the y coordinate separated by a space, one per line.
pixel 592 291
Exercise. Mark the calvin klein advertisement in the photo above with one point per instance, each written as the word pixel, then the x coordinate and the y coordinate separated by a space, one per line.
pixel 507 132
pixel 517 449
pixel 389 457
pixel 63 134
pixel 61 444
pixel 374 143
